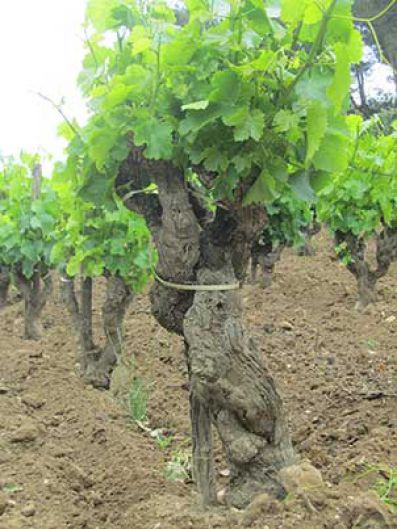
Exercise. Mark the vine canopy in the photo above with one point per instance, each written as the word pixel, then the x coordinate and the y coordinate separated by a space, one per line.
pixel 252 92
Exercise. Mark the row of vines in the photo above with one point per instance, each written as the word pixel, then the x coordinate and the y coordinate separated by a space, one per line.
pixel 220 132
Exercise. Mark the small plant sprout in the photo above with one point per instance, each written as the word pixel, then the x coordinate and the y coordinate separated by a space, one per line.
pixel 137 400
pixel 386 487
pixel 179 468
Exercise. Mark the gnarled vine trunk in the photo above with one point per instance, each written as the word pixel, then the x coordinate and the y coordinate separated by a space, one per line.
pixel 97 363
pixel 357 264
pixel 230 386
pixel 231 381
pixel 307 249
pixel 265 257
pixel 35 292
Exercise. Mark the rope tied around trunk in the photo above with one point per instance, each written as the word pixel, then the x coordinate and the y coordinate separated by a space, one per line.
pixel 196 287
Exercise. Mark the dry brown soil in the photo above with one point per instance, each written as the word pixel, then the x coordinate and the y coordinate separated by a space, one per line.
pixel 70 457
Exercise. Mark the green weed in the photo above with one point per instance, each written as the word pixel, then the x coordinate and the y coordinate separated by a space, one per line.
pixel 371 344
pixel 11 488
pixel 137 400
pixel 386 487
pixel 163 441
pixel 179 468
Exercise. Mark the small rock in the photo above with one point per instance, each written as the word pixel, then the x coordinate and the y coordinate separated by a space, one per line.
pixel 29 510
pixel 24 434
pixel 286 325
pixel 96 499
pixel 33 401
pixel 390 319
pixel 225 472
pixel 54 421
pixel 221 496
pixel 3 389
pixel 36 354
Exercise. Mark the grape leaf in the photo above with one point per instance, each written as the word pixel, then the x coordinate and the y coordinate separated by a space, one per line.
pixel 247 124
pixel 316 127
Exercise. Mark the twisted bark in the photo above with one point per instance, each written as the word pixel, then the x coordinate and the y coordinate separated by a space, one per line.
pixel 386 253
pixel 265 257
pixel 96 363
pixel 230 386
pixel 35 292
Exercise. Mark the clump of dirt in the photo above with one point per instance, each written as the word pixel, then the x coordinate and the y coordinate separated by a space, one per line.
pixel 70 456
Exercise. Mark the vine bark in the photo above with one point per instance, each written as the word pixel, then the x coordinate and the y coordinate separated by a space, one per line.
pixel 358 265
pixel 97 363
pixel 230 387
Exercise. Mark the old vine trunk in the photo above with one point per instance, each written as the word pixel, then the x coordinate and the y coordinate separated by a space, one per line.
pixel 264 257
pixel 229 378
pixel 97 363
pixel 35 292
pixel 230 386
pixel 354 250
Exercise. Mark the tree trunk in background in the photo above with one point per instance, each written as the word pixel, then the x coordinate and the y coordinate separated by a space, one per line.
pixel 386 253
pixel 4 285
pixel 97 364
pixel 35 296
pixel 366 289
pixel 33 309
pixel 86 317
pixel 264 257
pixel 118 297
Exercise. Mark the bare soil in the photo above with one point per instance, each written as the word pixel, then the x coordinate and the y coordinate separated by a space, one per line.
pixel 70 456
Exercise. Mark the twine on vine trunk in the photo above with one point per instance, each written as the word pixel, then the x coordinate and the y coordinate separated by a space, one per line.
pixel 196 287
pixel 193 287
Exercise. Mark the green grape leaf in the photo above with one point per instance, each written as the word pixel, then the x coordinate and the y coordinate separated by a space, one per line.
pixel 300 183
pixel 198 119
pixel 255 13
pixel 157 136
pixel 355 47
pixel 262 191
pixel 99 12
pixel 332 155
pixel 140 40
pixel 314 85
pixel 101 143
pixel 316 127
pixel 338 91
pixel 247 124
pixel 292 11
pixel 225 86
pixel 28 268
pixel 285 120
